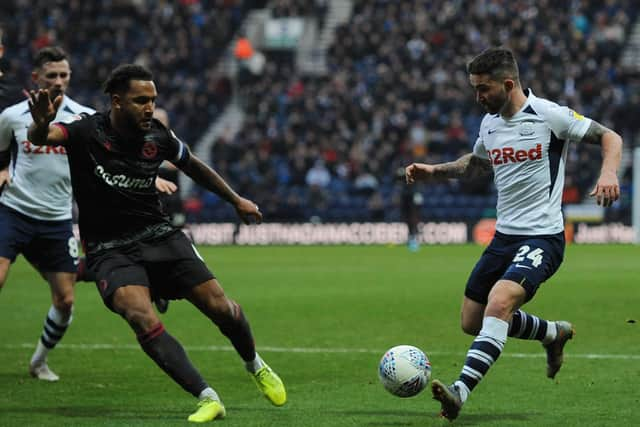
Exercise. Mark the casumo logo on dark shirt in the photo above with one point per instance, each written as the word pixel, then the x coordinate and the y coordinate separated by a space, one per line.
pixel 123 181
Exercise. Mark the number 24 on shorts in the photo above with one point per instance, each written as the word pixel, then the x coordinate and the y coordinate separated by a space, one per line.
pixel 534 255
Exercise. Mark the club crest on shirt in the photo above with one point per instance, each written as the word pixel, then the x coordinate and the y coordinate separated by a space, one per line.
pixel 149 150
pixel 577 116
pixel 526 129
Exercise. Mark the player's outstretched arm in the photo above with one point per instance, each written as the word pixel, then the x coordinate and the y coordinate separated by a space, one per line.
pixel 467 166
pixel 607 189
pixel 43 111
pixel 209 179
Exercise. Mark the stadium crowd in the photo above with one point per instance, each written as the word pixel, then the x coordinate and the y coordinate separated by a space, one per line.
pixel 397 91
pixel 174 38
pixel 329 148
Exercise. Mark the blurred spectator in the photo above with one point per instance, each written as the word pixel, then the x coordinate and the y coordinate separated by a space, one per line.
pixel 318 176
pixel 179 41
pixel 397 91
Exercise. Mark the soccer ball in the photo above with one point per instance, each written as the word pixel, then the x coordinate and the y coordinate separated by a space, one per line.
pixel 404 370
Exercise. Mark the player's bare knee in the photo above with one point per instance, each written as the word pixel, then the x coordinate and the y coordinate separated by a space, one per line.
pixel 140 320
pixel 136 309
pixel 64 303
pixel 226 311
pixel 500 306
pixel 221 308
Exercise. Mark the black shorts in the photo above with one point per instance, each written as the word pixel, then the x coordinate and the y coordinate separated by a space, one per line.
pixel 168 265
pixel 528 260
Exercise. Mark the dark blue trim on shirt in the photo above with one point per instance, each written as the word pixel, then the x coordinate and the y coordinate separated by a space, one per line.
pixel 555 154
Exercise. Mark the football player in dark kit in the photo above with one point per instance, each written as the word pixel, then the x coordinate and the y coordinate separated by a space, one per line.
pixel 130 244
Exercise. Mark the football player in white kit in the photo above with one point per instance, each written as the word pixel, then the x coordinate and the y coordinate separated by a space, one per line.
pixel 35 205
pixel 523 140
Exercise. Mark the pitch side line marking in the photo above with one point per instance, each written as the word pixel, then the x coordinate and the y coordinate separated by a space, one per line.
pixel 321 350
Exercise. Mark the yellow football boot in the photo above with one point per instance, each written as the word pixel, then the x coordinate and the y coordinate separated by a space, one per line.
pixel 270 384
pixel 208 410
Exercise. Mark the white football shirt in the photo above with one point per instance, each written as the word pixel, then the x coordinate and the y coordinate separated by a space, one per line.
pixel 528 153
pixel 40 182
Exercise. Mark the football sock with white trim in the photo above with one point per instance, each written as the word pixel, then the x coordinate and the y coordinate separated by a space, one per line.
pixel 484 352
pixel 208 393
pixel 55 325
pixel 529 327
pixel 255 365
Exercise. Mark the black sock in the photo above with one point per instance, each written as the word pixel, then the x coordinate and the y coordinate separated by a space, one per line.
pixel 237 329
pixel 169 355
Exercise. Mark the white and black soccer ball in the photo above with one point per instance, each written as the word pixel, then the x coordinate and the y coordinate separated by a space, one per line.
pixel 404 370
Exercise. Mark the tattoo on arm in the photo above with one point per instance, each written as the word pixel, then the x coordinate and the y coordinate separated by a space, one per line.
pixel 467 166
pixel 594 133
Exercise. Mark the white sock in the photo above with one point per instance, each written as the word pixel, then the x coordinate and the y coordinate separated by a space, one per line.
pixel 255 365
pixel 58 317
pixel 463 389
pixel 40 355
pixel 552 332
pixel 494 328
pixel 209 393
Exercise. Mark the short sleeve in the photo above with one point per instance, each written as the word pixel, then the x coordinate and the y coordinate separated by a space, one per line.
pixel 74 127
pixel 567 124
pixel 6 131
pixel 479 150
pixel 178 151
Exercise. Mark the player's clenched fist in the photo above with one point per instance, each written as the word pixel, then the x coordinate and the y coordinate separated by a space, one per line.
pixel 417 171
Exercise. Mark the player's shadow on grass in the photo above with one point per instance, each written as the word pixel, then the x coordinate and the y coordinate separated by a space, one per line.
pixel 426 418
pixel 479 419
pixel 101 412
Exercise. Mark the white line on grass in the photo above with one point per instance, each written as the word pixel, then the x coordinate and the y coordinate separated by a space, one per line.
pixel 319 350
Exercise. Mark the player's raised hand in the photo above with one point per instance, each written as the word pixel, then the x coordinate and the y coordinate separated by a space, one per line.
pixel 607 189
pixel 417 171
pixel 248 211
pixel 43 110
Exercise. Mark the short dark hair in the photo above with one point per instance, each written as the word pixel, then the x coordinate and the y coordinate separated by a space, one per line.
pixel 498 62
pixel 118 80
pixel 49 54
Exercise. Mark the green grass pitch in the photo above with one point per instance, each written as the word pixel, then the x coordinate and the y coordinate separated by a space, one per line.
pixel 322 318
